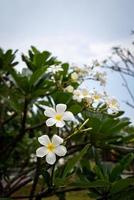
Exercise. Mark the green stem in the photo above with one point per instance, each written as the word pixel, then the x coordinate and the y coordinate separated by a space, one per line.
pixel 78 130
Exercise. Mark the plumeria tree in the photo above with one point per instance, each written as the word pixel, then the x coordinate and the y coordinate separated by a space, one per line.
pixel 57 136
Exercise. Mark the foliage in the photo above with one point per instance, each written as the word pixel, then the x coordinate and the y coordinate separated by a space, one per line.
pixel 99 143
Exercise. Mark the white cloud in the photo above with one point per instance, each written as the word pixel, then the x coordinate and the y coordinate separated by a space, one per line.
pixel 77 49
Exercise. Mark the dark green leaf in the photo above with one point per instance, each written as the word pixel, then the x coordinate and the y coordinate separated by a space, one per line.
pixel 72 162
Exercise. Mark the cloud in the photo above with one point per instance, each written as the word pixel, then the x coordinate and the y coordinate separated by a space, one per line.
pixel 78 49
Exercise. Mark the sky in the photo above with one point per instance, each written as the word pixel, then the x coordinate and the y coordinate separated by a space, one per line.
pixel 76 31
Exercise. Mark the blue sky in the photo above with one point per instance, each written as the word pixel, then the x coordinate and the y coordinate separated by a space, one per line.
pixel 74 30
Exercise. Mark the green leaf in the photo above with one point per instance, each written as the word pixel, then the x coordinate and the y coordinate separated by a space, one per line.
pixel 39 59
pixel 94 184
pixel 61 97
pixel 99 172
pixel 37 76
pixel 21 81
pixel 65 67
pixel 120 185
pixel 123 164
pixel 120 125
pixel 17 106
pixel 125 194
pixel 35 51
pixel 75 109
pixel 118 114
pixel 72 162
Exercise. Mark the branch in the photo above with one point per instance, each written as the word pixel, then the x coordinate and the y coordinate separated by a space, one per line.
pixel 129 104
pixel 49 192
pixel 122 149
pixel 7 151
pixel 18 179
pixel 36 177
pixel 127 87
pixel 36 126
pixel 22 184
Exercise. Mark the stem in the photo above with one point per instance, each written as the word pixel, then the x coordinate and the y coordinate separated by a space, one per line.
pixel 78 130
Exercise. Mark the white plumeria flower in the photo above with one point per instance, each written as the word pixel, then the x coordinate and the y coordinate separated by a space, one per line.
pixel 58 116
pixel 55 69
pixel 51 148
pixel 85 93
pixel 74 76
pixel 97 97
pixel 77 95
pixel 69 89
pixel 88 101
pixel 112 104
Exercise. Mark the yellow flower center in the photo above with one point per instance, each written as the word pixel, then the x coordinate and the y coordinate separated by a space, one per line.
pixel 50 147
pixel 113 103
pixel 58 117
pixel 85 93
pixel 96 97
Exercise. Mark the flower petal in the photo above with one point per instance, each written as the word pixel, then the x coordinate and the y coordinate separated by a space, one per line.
pixel 50 122
pixel 50 158
pixel 61 150
pixel 68 116
pixel 60 108
pixel 56 140
pixel 50 112
pixel 60 124
pixel 41 152
pixel 44 140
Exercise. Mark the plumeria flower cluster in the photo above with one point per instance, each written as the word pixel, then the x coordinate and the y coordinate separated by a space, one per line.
pixel 51 148
pixel 111 103
pixel 87 71
pixel 82 94
pixel 94 98
pixel 83 71
pixel 79 73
